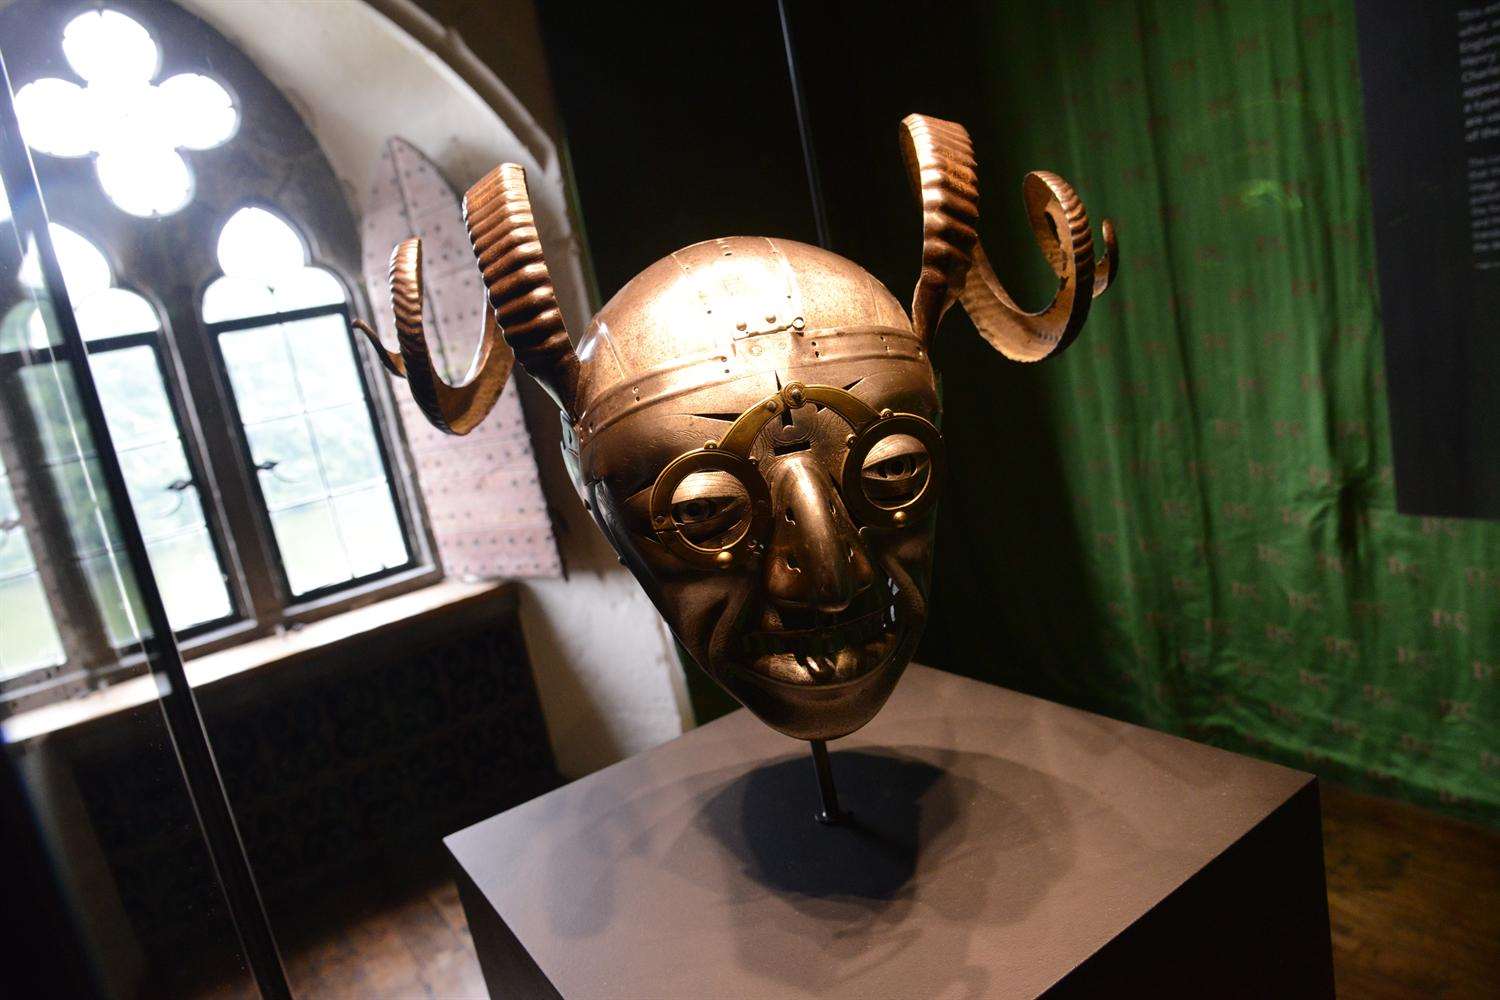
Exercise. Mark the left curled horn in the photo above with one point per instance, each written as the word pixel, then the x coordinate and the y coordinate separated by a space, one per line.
pixel 940 161
pixel 522 306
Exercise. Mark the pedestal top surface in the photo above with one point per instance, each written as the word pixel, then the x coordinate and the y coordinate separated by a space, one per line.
pixel 997 841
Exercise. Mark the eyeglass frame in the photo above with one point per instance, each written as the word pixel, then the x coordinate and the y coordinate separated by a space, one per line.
pixel 731 454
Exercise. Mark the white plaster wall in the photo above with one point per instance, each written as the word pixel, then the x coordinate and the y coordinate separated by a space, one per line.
pixel 609 680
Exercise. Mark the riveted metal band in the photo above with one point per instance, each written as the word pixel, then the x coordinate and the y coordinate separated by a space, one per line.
pixel 771 352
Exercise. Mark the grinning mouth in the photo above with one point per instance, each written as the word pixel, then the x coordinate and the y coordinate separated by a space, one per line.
pixel 824 639
pixel 827 650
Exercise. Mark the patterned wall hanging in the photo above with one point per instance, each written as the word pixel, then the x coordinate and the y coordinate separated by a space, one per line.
pixel 483 499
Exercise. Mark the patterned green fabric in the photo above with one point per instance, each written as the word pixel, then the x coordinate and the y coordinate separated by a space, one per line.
pixel 1188 519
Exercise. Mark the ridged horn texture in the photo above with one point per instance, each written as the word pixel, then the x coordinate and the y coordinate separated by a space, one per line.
pixel 502 230
pixel 940 161
pixel 456 409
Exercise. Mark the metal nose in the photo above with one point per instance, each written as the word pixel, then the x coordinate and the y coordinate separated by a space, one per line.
pixel 816 559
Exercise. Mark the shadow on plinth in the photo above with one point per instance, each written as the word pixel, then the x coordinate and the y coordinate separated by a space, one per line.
pixel 931 849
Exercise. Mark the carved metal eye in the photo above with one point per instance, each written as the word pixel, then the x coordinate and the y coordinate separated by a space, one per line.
pixel 891 471
pixel 709 508
pixel 895 471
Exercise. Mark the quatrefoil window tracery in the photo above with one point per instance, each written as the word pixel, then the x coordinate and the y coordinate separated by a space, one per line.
pixel 135 129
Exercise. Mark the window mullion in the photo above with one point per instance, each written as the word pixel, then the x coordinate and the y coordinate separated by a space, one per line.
pixel 410 508
pixel 229 476
pixel 81 627
pixel 203 482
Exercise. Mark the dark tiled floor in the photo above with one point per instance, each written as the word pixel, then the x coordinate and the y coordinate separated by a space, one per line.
pixel 400 934
pixel 1414 900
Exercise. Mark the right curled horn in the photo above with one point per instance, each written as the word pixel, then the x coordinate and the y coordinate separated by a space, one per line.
pixel 522 306
pixel 502 230
pixel 940 162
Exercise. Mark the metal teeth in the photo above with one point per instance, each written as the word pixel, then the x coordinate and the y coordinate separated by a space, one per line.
pixel 826 642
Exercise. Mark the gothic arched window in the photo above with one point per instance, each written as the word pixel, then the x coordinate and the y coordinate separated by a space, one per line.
pixel 282 329
pixel 210 256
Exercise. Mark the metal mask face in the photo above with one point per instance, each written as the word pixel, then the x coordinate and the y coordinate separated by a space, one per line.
pixel 824 553
pixel 754 423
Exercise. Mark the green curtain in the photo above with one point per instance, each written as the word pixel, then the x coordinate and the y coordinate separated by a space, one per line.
pixel 1188 519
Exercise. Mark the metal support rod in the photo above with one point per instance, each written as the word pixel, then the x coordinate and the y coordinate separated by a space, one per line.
pixel 830 812
pixel 804 128
pixel 184 722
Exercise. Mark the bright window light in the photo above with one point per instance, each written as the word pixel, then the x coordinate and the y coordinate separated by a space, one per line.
pixel 133 127
pixel 115 312
pixel 236 298
pixel 201 111
pixel 265 271
pixel 84 269
pixel 105 46
pixel 145 180
pixel 300 400
pixel 256 244
pixel 56 117
pixel 100 309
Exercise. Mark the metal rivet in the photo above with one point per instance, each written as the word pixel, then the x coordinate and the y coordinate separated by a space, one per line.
pixel 710 445
pixel 899 517
pixel 741 325
pixel 849 441
pixel 885 414
pixel 798 323
pixel 770 317
pixel 724 559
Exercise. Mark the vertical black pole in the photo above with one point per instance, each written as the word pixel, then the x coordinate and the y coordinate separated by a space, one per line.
pixel 830 812
pixel 809 157
pixel 184 723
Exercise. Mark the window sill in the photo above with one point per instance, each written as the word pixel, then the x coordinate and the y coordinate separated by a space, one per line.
pixel 319 640
pixel 298 615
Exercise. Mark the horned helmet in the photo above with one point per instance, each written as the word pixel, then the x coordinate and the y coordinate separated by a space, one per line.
pixel 753 422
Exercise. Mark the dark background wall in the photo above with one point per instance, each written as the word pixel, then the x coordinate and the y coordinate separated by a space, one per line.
pixel 1188 520
pixel 679 125
pixel 1428 78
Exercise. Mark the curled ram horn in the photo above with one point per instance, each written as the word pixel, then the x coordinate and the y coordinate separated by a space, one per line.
pixel 456 409
pixel 522 320
pixel 940 161
pixel 502 231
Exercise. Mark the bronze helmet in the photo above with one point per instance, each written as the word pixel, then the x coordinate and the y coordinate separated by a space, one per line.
pixel 753 422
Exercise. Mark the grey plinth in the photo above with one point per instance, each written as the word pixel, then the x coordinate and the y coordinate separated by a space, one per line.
pixel 1000 846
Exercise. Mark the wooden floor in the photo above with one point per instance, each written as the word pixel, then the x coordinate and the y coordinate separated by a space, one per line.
pixel 1414 900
